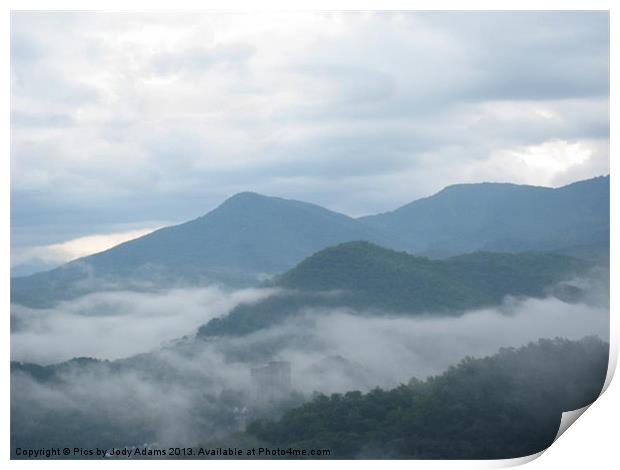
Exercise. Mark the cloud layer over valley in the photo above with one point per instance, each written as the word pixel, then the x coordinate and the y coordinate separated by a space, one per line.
pixel 387 349
pixel 113 325
pixel 191 391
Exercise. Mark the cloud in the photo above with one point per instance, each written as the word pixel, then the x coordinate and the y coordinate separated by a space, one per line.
pixel 552 163
pixel 113 325
pixel 77 247
pixel 404 347
pixel 200 59
pixel 190 391
pixel 28 259
pixel 339 350
pixel 385 349
pixel 146 116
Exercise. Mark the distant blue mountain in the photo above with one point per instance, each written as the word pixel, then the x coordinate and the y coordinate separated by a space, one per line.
pixel 573 219
pixel 245 238
pixel 250 237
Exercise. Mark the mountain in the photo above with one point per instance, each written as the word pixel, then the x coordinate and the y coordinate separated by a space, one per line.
pixel 247 236
pixel 367 277
pixel 572 219
pixel 250 237
pixel 504 406
pixel 402 282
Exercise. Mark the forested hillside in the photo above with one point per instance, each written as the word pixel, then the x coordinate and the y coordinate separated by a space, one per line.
pixel 378 280
pixel 503 406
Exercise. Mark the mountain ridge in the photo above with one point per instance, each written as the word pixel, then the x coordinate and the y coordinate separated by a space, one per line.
pixel 503 217
pixel 364 277
pixel 251 236
pixel 247 236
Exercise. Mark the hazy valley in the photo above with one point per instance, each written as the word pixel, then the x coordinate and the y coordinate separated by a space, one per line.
pixel 153 342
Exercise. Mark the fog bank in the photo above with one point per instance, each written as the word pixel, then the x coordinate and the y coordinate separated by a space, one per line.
pixel 192 390
pixel 112 325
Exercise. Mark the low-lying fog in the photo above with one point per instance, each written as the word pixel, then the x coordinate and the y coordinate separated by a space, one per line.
pixel 113 325
pixel 383 350
pixel 332 350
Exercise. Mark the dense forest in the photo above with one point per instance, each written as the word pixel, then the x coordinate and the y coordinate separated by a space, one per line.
pixel 503 406
pixel 364 276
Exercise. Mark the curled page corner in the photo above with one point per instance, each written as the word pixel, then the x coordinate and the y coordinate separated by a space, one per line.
pixel 568 418
pixel 515 462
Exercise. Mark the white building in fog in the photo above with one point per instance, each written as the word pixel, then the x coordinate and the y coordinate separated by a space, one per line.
pixel 271 382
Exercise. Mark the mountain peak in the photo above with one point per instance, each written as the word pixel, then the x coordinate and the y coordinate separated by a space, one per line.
pixel 248 200
pixel 486 187
pixel 245 196
pixel 250 197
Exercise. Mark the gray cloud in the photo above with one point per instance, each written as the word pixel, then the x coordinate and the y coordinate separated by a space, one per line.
pixel 120 118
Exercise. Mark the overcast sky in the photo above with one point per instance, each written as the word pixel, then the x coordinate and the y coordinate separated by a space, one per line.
pixel 124 122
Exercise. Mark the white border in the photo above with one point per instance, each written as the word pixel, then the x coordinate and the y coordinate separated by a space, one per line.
pixel 592 442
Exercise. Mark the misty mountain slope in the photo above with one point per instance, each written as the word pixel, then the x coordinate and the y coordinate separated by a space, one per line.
pixel 250 235
pixel 367 277
pixel 89 402
pixel 504 406
pixel 246 236
pixel 505 217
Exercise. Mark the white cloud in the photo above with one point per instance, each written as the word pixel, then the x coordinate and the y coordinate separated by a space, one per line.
pixel 551 163
pixel 554 156
pixel 127 107
pixel 330 350
pixel 75 248
pixel 114 325
pixel 384 350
